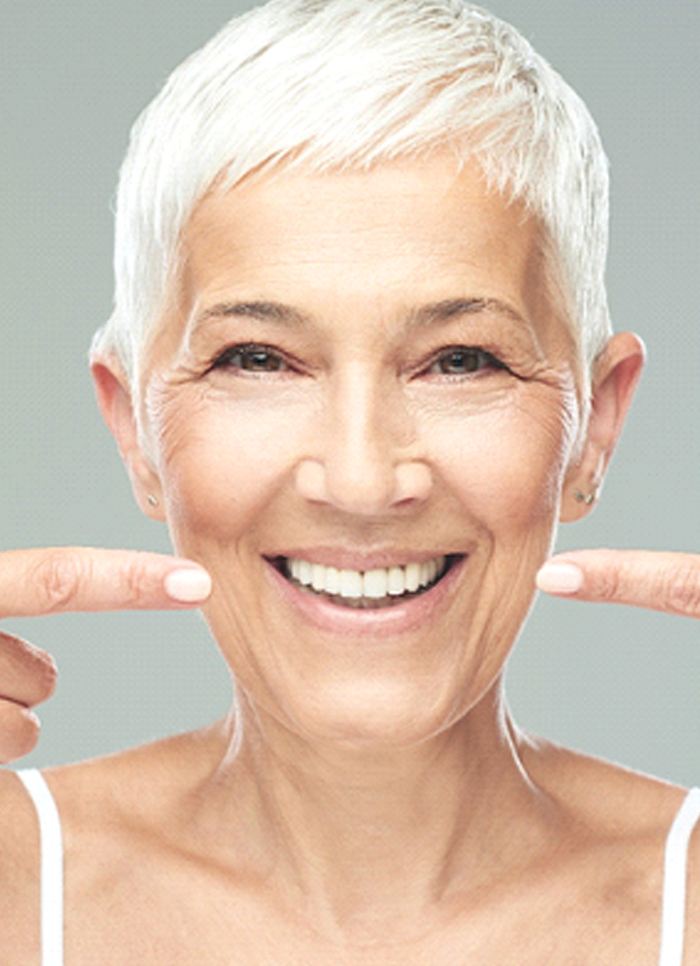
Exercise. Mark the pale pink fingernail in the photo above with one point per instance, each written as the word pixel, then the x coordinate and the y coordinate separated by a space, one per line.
pixel 188 585
pixel 559 578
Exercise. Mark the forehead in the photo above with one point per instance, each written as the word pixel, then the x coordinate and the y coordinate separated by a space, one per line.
pixel 366 244
pixel 428 204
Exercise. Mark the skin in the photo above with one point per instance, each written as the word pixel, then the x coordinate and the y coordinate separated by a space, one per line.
pixel 359 444
pixel 366 763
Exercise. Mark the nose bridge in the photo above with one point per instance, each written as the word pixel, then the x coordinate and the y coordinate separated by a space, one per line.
pixel 366 434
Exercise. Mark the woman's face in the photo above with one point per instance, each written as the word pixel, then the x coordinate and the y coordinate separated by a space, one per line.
pixel 410 394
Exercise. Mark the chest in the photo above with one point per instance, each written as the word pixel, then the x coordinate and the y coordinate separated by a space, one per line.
pixel 134 902
pixel 155 944
pixel 151 921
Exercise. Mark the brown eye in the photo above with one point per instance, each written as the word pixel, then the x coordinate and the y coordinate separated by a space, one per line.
pixel 463 360
pixel 250 358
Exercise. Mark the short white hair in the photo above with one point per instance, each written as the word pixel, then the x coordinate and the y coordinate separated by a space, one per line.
pixel 347 84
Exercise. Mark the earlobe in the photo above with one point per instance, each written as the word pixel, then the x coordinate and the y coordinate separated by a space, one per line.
pixel 615 378
pixel 115 403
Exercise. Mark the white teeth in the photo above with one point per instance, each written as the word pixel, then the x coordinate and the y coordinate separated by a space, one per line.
pixel 396 584
pixel 412 577
pixel 374 583
pixel 318 576
pixel 377 583
pixel 332 582
pixel 350 583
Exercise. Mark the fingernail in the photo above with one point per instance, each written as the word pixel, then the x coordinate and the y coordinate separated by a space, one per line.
pixel 188 585
pixel 559 578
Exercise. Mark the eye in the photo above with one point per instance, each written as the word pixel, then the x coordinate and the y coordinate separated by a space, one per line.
pixel 463 360
pixel 250 358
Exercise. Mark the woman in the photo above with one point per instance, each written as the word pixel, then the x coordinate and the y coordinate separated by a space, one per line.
pixel 361 365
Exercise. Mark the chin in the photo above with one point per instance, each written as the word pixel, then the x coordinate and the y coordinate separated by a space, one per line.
pixel 374 714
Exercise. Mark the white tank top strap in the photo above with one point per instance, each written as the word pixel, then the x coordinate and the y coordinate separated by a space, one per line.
pixel 675 876
pixel 51 845
pixel 673 899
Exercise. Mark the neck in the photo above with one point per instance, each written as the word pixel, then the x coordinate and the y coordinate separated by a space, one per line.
pixel 369 838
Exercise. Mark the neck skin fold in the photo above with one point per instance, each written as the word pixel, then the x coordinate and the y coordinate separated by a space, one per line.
pixel 365 840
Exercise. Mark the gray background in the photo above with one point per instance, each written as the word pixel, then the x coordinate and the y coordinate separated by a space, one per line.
pixel 617 682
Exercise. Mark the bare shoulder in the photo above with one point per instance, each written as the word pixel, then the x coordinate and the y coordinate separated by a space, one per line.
pixel 104 805
pixel 19 872
pixel 125 791
pixel 19 834
pixel 622 818
pixel 613 799
pixel 104 792
pixel 692 918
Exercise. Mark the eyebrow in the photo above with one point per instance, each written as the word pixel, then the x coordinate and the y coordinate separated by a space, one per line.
pixel 432 313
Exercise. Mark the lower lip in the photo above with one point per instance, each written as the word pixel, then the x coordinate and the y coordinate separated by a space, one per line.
pixel 384 621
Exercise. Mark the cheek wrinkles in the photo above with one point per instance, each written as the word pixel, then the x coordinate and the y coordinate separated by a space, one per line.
pixel 241 432
pixel 550 403
pixel 173 406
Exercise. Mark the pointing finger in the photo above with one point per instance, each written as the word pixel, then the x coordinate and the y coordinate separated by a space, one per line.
pixel 56 579
pixel 664 581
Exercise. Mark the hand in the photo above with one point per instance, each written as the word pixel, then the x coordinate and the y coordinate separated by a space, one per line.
pixel 59 579
pixel 663 581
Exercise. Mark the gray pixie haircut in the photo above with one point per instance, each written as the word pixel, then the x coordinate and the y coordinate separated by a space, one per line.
pixel 348 84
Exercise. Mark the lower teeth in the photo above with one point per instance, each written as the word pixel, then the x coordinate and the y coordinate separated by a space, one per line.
pixel 367 603
pixel 364 603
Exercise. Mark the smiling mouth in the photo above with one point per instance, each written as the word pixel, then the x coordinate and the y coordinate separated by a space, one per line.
pixel 365 590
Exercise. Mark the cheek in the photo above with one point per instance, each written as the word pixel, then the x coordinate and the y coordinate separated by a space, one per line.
pixel 505 460
pixel 222 463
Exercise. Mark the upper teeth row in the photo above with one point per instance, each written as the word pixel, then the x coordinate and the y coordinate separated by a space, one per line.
pixel 369 583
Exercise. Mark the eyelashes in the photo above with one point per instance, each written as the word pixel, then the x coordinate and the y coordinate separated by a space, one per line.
pixel 466 359
pixel 250 357
pixel 456 361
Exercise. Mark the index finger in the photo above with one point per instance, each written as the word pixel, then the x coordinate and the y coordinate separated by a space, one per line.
pixel 48 580
pixel 659 580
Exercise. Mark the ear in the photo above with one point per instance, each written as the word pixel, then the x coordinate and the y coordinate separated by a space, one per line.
pixel 616 375
pixel 115 402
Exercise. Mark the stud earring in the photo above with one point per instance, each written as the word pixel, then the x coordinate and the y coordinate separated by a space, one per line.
pixel 586 498
pixel 153 500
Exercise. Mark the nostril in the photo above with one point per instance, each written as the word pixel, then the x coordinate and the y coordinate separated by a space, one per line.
pixel 407 501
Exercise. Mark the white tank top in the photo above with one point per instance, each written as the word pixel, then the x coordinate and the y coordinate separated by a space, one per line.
pixel 673 901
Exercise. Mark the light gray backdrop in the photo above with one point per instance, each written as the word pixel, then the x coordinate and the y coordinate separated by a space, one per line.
pixel 617 682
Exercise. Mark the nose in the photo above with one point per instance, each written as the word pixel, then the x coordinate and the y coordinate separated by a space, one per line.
pixel 364 460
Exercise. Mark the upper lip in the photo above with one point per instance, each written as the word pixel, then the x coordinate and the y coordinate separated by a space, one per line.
pixel 344 558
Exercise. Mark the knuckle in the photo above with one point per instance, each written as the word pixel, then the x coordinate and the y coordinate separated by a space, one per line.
pixel 45 673
pixel 58 578
pixel 681 591
pixel 34 667
pixel 27 734
pixel 19 731
pixel 608 584
pixel 136 580
pixel 50 675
